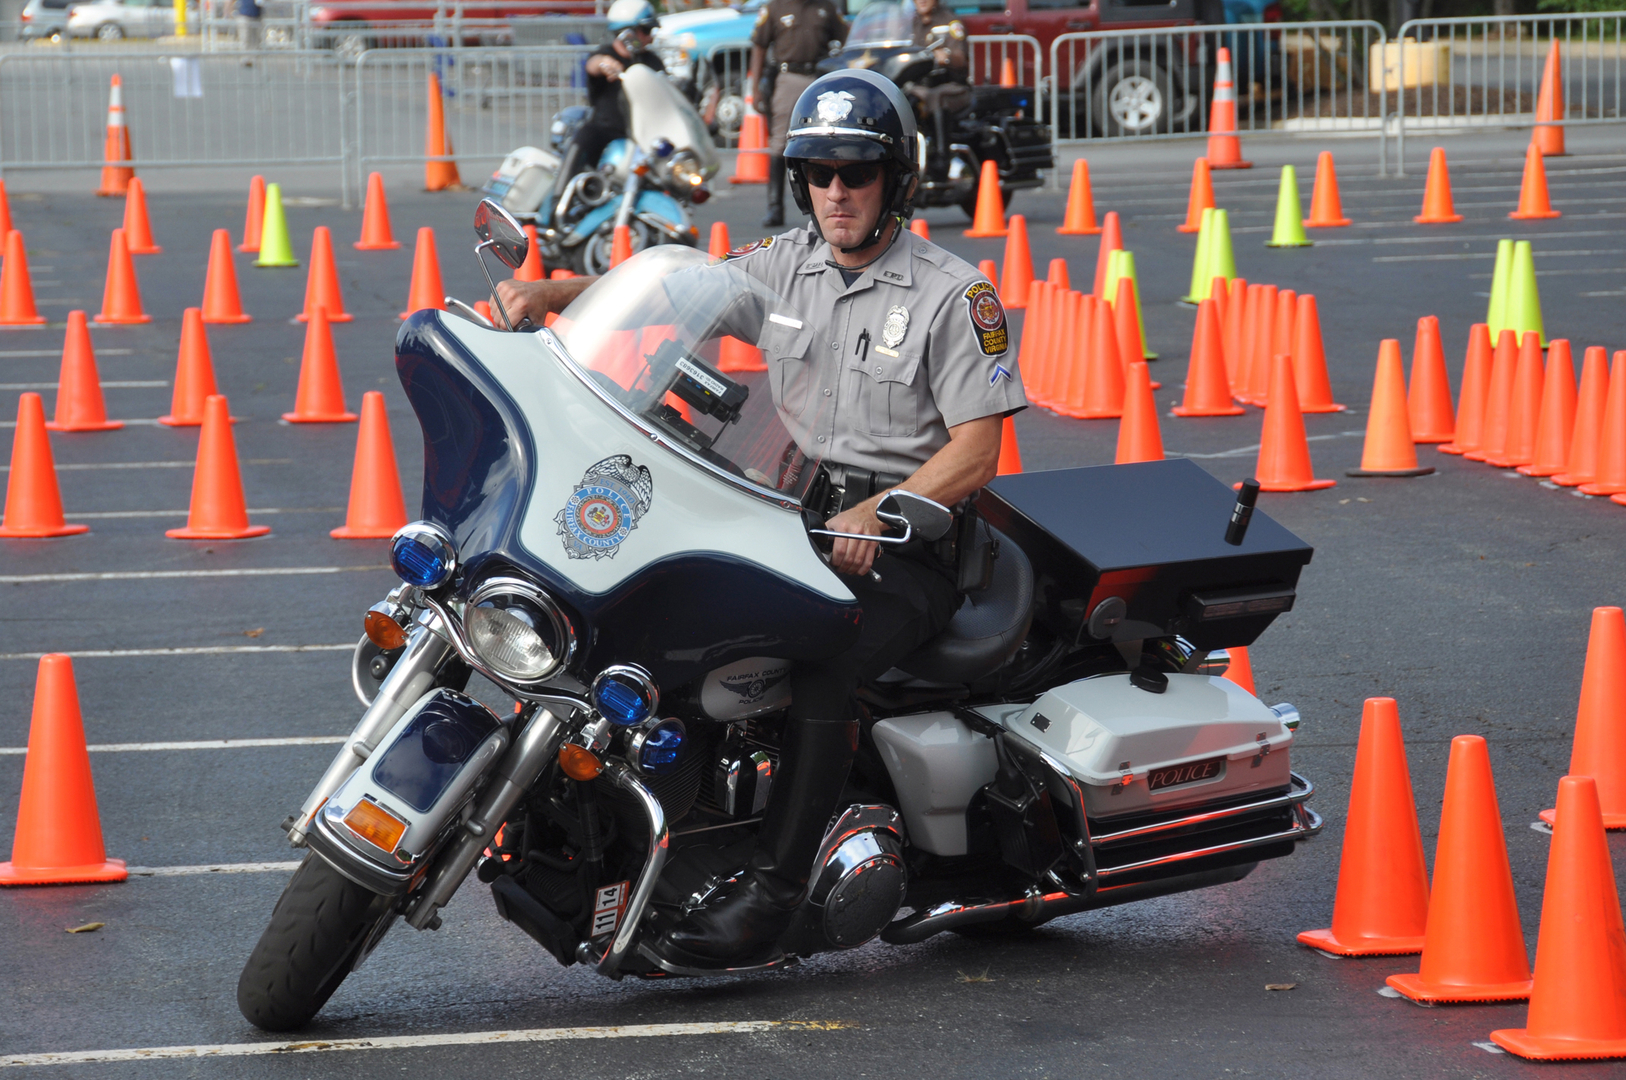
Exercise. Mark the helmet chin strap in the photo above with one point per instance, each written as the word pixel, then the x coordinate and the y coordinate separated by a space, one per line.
pixel 875 236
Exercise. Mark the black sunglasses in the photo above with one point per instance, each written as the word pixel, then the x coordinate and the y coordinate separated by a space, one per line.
pixel 860 174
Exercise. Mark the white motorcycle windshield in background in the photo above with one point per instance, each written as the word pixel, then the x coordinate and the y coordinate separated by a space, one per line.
pixel 651 335
pixel 883 24
pixel 657 110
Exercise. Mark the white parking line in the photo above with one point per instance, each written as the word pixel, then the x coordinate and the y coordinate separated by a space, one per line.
pixel 94 465
pixel 187 650
pixel 106 514
pixel 152 575
pixel 217 868
pixel 143 384
pixel 127 423
pixel 199 744
pixel 1244 451
pixel 19 354
pixel 413 1042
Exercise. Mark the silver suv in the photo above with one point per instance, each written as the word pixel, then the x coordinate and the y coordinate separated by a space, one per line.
pixel 44 19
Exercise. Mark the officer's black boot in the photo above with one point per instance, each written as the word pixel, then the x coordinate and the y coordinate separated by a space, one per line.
pixel 742 924
pixel 776 193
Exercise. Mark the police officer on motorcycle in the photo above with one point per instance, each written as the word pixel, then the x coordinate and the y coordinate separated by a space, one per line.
pixel 947 89
pixel 633 22
pixel 907 381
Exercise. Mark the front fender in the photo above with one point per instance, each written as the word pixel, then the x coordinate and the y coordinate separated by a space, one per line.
pixel 653 202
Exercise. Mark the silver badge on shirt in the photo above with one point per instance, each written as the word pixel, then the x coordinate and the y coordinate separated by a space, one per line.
pixel 895 327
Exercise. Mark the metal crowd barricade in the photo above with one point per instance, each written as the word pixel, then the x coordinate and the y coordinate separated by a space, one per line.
pixel 493 99
pixel 1124 85
pixel 185 109
pixel 1451 74
pixel 990 51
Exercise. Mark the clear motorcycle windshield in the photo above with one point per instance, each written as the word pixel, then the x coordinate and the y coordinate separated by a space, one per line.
pixel 883 23
pixel 654 335
pixel 657 110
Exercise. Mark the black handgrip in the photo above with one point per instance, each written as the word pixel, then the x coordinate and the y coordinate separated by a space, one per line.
pixel 1242 512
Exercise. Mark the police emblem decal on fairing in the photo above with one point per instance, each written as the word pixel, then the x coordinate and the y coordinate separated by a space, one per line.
pixel 746 249
pixel 751 686
pixel 895 327
pixel 835 106
pixel 987 318
pixel 605 507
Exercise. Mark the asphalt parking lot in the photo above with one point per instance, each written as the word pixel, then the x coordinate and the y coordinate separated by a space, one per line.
pixel 1465 595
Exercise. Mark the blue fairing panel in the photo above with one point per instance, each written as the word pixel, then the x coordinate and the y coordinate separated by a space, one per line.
pixel 657 203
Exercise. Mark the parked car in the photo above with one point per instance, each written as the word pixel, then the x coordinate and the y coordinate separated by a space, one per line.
pixel 44 19
pixel 707 53
pixel 113 20
pixel 353 26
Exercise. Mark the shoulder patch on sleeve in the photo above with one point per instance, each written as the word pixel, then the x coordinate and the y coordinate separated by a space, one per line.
pixel 751 249
pixel 987 317
pixel 762 15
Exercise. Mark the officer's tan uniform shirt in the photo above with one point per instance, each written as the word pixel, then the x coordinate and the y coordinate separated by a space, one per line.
pixel 879 371
pixel 800 31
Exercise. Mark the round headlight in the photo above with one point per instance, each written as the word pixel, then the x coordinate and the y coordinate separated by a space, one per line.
pixel 655 745
pixel 423 555
pixel 625 694
pixel 517 630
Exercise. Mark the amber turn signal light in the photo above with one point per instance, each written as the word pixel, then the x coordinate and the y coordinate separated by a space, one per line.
pixel 579 763
pixel 376 825
pixel 383 630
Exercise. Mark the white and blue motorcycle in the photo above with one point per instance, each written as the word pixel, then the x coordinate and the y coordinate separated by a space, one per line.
pixel 576 693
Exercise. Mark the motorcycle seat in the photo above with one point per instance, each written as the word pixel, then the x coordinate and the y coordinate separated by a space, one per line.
pixel 987 629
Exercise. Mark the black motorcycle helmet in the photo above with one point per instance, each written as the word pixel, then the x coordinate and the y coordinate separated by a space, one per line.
pixel 855 115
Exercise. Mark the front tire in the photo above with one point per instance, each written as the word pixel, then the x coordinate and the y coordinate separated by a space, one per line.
pixel 110 32
pixel 317 930
pixel 1136 97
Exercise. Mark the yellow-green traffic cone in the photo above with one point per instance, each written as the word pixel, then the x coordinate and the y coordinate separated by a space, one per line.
pixel 1121 264
pixel 1523 312
pixel 1289 231
pixel 1496 313
pixel 1221 259
pixel 276 249
pixel 1201 282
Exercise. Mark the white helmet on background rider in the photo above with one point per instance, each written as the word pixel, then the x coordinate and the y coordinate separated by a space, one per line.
pixel 632 15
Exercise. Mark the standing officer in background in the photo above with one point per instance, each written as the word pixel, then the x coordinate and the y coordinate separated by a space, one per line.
pixel 800 33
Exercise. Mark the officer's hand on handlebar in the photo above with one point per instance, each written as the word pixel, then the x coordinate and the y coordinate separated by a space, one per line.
pixel 855 556
pixel 524 300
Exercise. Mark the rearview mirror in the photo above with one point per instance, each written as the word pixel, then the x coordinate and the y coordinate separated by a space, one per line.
pixel 501 232
pixel 930 520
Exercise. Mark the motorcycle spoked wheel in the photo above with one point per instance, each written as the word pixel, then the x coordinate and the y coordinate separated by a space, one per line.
pixel 317 932
pixel 593 256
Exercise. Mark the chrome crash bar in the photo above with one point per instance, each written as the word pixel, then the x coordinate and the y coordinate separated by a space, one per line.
pixel 610 963
pixel 1298 793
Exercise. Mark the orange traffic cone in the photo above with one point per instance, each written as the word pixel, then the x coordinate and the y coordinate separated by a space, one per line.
pixel 720 244
pixel 1437 206
pixel 377 509
pixel 1219 292
pixel 1232 327
pixel 1208 391
pixel 1382 904
pixel 1612 441
pixel 734 355
pixel 137 226
pixel 121 298
pixel 439 170
pixel 919 227
pixel 1072 340
pixel 1548 135
pixel 1058 360
pixel 1284 451
pixel 620 246
pixel 1013 284
pixel 988 269
pixel 33 500
pixel 1112 239
pixel 322 283
pixel 531 269
pixel 1555 428
pixel 1057 274
pixel 1201 197
pixel 1578 1002
pixel 375 218
pixel 751 163
pixel 1101 395
pixel 1525 414
pixel 1310 360
pixel 1476 374
pixel 1010 454
pixel 218 511
pixel 1256 391
pixel 1281 330
pixel 1138 436
pixel 427 291
pixel 59 832
pixel 254 219
pixel 1581 466
pixel 1007 73
pixel 79 404
pixel 320 398
pixel 1224 148
pixel 1494 434
pixel 1240 669
pixel 16 286
pixel 1473 949
pixel 1430 395
pixel 989 219
pixel 1599 749
pixel 1080 219
pixel 1126 320
pixel 194 372
pixel 5 210
pixel 1326 208
pixel 1533 201
pixel 1389 450
pixel 117 170
pixel 221 302
pixel 1028 353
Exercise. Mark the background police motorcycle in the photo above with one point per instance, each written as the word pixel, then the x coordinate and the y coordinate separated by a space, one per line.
pixel 576 691
pixel 1000 124
pixel 647 182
